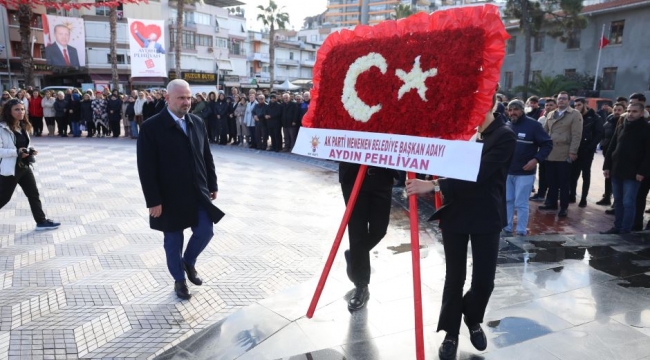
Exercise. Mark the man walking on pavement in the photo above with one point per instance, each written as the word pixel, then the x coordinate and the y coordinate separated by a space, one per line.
pixel 533 146
pixel 564 125
pixel 179 182
pixel 627 162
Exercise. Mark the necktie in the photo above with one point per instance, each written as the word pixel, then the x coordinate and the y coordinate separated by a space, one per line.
pixel 556 115
pixel 65 57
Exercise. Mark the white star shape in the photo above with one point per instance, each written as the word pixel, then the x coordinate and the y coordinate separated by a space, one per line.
pixel 415 79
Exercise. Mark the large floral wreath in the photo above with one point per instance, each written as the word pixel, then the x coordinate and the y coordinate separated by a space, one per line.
pixel 430 75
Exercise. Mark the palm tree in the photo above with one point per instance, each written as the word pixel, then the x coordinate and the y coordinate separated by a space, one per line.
pixel 112 20
pixel 25 14
pixel 180 14
pixel 402 11
pixel 271 17
pixel 545 86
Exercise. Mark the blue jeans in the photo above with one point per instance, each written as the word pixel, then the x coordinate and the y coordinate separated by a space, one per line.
pixel 201 235
pixel 76 128
pixel 134 129
pixel 518 188
pixel 624 191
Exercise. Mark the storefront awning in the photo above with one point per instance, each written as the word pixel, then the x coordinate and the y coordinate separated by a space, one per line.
pixel 224 65
pixel 231 83
pixel 247 85
pixel 148 81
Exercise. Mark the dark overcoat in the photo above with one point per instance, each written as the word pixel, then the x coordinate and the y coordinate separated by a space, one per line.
pixel 480 207
pixel 176 171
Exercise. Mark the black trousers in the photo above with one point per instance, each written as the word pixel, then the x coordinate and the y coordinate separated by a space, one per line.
pixel 542 185
pixel 115 127
pixel 261 135
pixel 62 123
pixel 367 226
pixel 558 175
pixel 641 197
pixel 37 123
pixel 25 178
pixel 232 129
pixel 275 132
pixel 581 165
pixel 485 249
pixel 213 128
pixel 90 127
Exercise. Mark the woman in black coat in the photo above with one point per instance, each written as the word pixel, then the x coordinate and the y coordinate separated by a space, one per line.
pixel 60 107
pixel 149 108
pixel 220 109
pixel 114 114
pixel 86 111
pixel 74 113
pixel 476 212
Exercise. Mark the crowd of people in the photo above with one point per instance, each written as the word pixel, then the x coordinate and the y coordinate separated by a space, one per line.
pixel 237 119
pixel 562 134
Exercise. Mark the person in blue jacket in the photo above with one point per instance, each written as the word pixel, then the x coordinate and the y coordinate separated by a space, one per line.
pixel 533 146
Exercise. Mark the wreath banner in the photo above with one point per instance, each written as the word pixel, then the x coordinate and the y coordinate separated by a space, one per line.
pixel 429 75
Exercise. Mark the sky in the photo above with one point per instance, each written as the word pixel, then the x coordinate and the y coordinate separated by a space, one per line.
pixel 298 10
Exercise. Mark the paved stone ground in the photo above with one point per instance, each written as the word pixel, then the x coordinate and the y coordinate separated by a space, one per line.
pixel 99 288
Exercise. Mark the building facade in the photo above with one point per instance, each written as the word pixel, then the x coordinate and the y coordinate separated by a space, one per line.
pixel 348 12
pixel 624 63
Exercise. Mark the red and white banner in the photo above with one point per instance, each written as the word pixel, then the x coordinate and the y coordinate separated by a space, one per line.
pixel 447 158
pixel 147 48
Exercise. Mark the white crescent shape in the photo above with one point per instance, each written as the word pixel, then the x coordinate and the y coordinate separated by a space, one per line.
pixel 359 110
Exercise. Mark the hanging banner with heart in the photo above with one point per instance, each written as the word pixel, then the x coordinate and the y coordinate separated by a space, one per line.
pixel 147 48
pixel 416 83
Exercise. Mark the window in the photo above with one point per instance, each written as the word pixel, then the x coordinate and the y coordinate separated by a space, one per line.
pixel 508 81
pixel 187 39
pixel 101 10
pixel 570 73
pixel 204 40
pixel 236 48
pixel 511 45
pixel 202 19
pixel 121 59
pixel 314 38
pixel 41 48
pixel 537 74
pixel 290 56
pixel 37 20
pixel 573 41
pixel 222 43
pixel 616 32
pixel 16 48
pixel 538 42
pixel 609 78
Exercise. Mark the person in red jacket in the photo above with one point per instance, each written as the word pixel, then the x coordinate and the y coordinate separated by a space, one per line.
pixel 36 113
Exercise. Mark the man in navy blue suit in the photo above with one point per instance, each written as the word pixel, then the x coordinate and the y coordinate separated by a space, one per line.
pixel 60 53
pixel 151 42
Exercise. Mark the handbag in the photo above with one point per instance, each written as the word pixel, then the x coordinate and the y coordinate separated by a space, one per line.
pixel 138 119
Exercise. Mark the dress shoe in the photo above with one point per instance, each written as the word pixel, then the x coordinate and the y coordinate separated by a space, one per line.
pixel 572 199
pixel 448 348
pixel 563 213
pixel 348 267
pixel 476 335
pixel 609 211
pixel 583 203
pixel 359 298
pixel 611 231
pixel 604 201
pixel 536 198
pixel 192 275
pixel 547 207
pixel 181 290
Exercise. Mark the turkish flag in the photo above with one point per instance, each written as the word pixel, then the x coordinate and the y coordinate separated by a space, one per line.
pixel 603 42
pixel 429 75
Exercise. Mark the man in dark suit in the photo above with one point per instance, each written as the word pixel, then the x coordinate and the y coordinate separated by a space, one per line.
pixel 179 182
pixel 476 212
pixel 60 53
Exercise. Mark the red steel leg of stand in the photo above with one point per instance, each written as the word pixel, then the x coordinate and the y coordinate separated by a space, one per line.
pixel 417 290
pixel 337 241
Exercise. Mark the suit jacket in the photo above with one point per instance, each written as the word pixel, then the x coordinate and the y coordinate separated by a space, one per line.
pixel 176 171
pixel 54 56
pixel 480 207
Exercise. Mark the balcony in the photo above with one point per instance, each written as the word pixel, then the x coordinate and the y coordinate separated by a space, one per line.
pixel 187 25
pixel 259 57
pixel 309 62
pixel 287 62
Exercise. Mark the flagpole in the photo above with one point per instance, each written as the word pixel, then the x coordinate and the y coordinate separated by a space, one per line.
pixel 600 50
